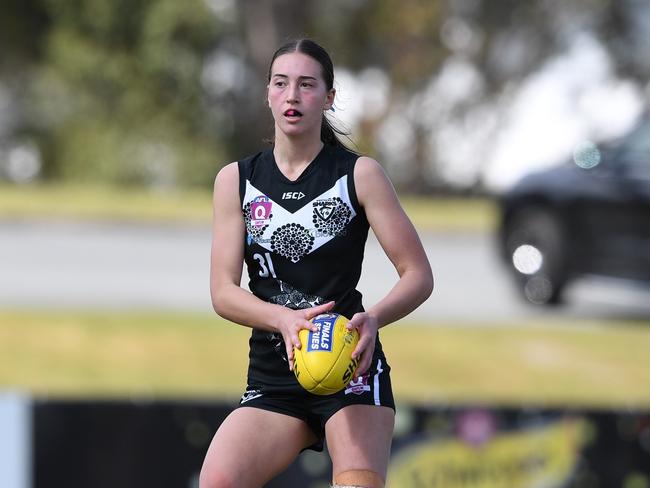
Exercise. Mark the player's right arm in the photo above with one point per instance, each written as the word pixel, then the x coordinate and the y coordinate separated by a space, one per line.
pixel 229 300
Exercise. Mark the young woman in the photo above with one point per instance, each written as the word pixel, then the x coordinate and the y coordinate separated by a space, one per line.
pixel 298 215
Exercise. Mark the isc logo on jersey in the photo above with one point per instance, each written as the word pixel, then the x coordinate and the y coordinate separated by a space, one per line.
pixel 292 195
pixel 324 365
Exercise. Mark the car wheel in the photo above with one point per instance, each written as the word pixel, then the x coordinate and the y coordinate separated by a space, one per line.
pixel 536 249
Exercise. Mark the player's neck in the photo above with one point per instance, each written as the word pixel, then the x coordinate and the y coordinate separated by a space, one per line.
pixel 294 155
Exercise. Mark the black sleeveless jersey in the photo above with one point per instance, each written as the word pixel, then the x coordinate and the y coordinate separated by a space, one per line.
pixel 304 244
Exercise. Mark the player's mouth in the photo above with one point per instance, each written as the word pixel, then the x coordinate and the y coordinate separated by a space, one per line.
pixel 293 114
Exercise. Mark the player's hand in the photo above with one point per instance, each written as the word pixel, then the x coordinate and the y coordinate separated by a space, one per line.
pixel 367 327
pixel 291 322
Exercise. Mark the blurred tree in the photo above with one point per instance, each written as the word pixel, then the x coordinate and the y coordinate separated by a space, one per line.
pixel 115 90
pixel 162 92
pixel 23 24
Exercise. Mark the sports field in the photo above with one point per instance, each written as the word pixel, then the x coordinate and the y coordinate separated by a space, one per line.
pixel 194 355
pixel 79 202
pixel 107 353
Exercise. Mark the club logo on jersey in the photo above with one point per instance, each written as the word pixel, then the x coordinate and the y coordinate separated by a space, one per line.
pixel 330 216
pixel 321 340
pixel 358 386
pixel 323 209
pixel 260 211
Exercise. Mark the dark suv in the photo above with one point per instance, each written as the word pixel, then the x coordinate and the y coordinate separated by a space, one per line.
pixel 590 215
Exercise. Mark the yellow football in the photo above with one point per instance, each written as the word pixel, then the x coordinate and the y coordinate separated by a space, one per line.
pixel 323 365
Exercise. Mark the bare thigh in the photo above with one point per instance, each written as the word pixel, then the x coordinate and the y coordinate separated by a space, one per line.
pixel 359 437
pixel 252 446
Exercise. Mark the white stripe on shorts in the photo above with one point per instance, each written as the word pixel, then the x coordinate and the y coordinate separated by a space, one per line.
pixel 376 388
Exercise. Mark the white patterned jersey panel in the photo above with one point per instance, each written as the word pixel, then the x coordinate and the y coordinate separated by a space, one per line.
pixel 294 235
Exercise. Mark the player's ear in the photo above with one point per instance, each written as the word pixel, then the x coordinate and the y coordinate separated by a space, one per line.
pixel 329 99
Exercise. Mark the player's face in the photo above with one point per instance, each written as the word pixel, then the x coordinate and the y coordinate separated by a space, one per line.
pixel 297 94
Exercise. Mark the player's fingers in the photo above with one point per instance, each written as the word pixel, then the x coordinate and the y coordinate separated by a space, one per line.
pixel 309 326
pixel 319 309
pixel 362 345
pixel 365 365
pixel 366 359
pixel 355 321
pixel 290 357
pixel 362 365
pixel 295 340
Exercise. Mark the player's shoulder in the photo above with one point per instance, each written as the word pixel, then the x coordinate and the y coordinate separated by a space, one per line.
pixel 371 181
pixel 367 169
pixel 228 174
pixel 232 171
pixel 367 165
pixel 254 162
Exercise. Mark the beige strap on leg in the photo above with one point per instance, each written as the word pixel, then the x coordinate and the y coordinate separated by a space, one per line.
pixel 358 478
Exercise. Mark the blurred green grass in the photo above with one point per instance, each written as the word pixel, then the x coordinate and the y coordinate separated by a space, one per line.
pixel 101 203
pixel 108 353
pixel 581 364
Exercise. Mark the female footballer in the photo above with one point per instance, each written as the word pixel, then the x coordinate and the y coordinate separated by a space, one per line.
pixel 298 215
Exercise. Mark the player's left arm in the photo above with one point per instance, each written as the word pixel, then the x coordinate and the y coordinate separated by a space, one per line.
pixel 402 245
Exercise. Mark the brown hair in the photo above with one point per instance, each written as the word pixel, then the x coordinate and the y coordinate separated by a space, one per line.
pixel 329 134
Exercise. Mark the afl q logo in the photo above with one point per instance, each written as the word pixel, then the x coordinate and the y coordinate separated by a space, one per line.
pixel 260 211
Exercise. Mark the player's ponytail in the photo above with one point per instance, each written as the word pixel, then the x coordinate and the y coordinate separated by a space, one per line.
pixel 329 133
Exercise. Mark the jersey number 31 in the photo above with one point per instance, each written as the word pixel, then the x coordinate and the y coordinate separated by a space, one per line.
pixel 266 264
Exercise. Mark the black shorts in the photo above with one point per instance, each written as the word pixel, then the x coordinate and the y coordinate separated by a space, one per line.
pixel 373 388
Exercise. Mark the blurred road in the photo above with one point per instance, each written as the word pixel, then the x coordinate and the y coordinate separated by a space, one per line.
pixel 121 266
